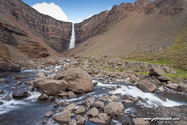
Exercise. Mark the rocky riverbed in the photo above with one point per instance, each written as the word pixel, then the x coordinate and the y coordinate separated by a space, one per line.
pixel 91 91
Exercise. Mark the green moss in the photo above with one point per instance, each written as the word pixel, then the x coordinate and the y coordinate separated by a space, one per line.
pixel 79 64
pixel 180 73
pixel 106 68
pixel 116 70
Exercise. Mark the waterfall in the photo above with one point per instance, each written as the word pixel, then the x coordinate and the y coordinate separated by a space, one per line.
pixel 72 41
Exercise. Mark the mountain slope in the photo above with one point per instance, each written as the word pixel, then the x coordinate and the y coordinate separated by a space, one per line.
pixel 154 30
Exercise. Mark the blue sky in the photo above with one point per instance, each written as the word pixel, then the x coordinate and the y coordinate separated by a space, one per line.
pixel 76 10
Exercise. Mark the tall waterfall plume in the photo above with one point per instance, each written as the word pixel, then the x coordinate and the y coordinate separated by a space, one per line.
pixel 72 41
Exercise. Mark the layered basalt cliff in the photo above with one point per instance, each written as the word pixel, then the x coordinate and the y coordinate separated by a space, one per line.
pixel 98 24
pixel 18 38
pixel 6 64
pixel 43 29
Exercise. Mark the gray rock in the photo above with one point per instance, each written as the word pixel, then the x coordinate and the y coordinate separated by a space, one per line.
pixel 18 83
pixel 86 118
pixel 49 114
pixel 90 101
pixel 163 78
pixel 80 110
pixel 63 117
pixel 31 88
pixel 99 104
pixel 58 76
pixel 172 86
pixel 18 77
pixel 114 108
pixel 104 117
pixel 62 93
pixel 182 87
pixel 20 93
pixel 80 120
pixel 13 88
pixel 50 86
pixel 73 122
pixel 156 71
pixel 93 112
pixel 2 80
pixel 70 107
pixel 124 119
pixel 146 86
pixel 161 89
pixel 45 122
pixel 78 80
pixel 71 95
pixel 95 83
pixel 98 121
pixel 43 96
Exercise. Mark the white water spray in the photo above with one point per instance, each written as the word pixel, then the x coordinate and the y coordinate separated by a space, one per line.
pixel 72 41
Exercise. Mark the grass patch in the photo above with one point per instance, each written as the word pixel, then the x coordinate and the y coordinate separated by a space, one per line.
pixel 143 72
pixel 116 70
pixel 180 73
pixel 79 64
pixel 174 55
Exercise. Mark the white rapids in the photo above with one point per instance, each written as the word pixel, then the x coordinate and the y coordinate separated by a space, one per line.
pixel 152 99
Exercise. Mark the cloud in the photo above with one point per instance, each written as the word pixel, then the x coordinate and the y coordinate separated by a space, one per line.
pixel 52 10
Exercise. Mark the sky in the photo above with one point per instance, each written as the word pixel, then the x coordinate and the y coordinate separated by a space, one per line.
pixel 73 10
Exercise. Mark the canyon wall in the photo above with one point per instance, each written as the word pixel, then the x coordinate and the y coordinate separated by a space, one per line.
pixel 53 36
pixel 39 27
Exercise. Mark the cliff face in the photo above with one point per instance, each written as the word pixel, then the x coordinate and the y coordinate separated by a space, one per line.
pixel 99 23
pixel 56 34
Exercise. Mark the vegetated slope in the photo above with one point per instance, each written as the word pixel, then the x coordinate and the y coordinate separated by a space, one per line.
pixel 157 32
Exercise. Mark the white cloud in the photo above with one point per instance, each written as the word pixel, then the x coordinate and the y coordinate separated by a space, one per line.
pixel 52 10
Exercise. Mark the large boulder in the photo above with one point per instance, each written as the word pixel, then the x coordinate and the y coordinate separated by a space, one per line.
pixel 50 86
pixel 146 86
pixel 78 80
pixel 156 71
pixel 114 108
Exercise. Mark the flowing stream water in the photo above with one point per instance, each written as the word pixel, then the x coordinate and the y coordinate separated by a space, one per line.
pixel 72 41
pixel 31 111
